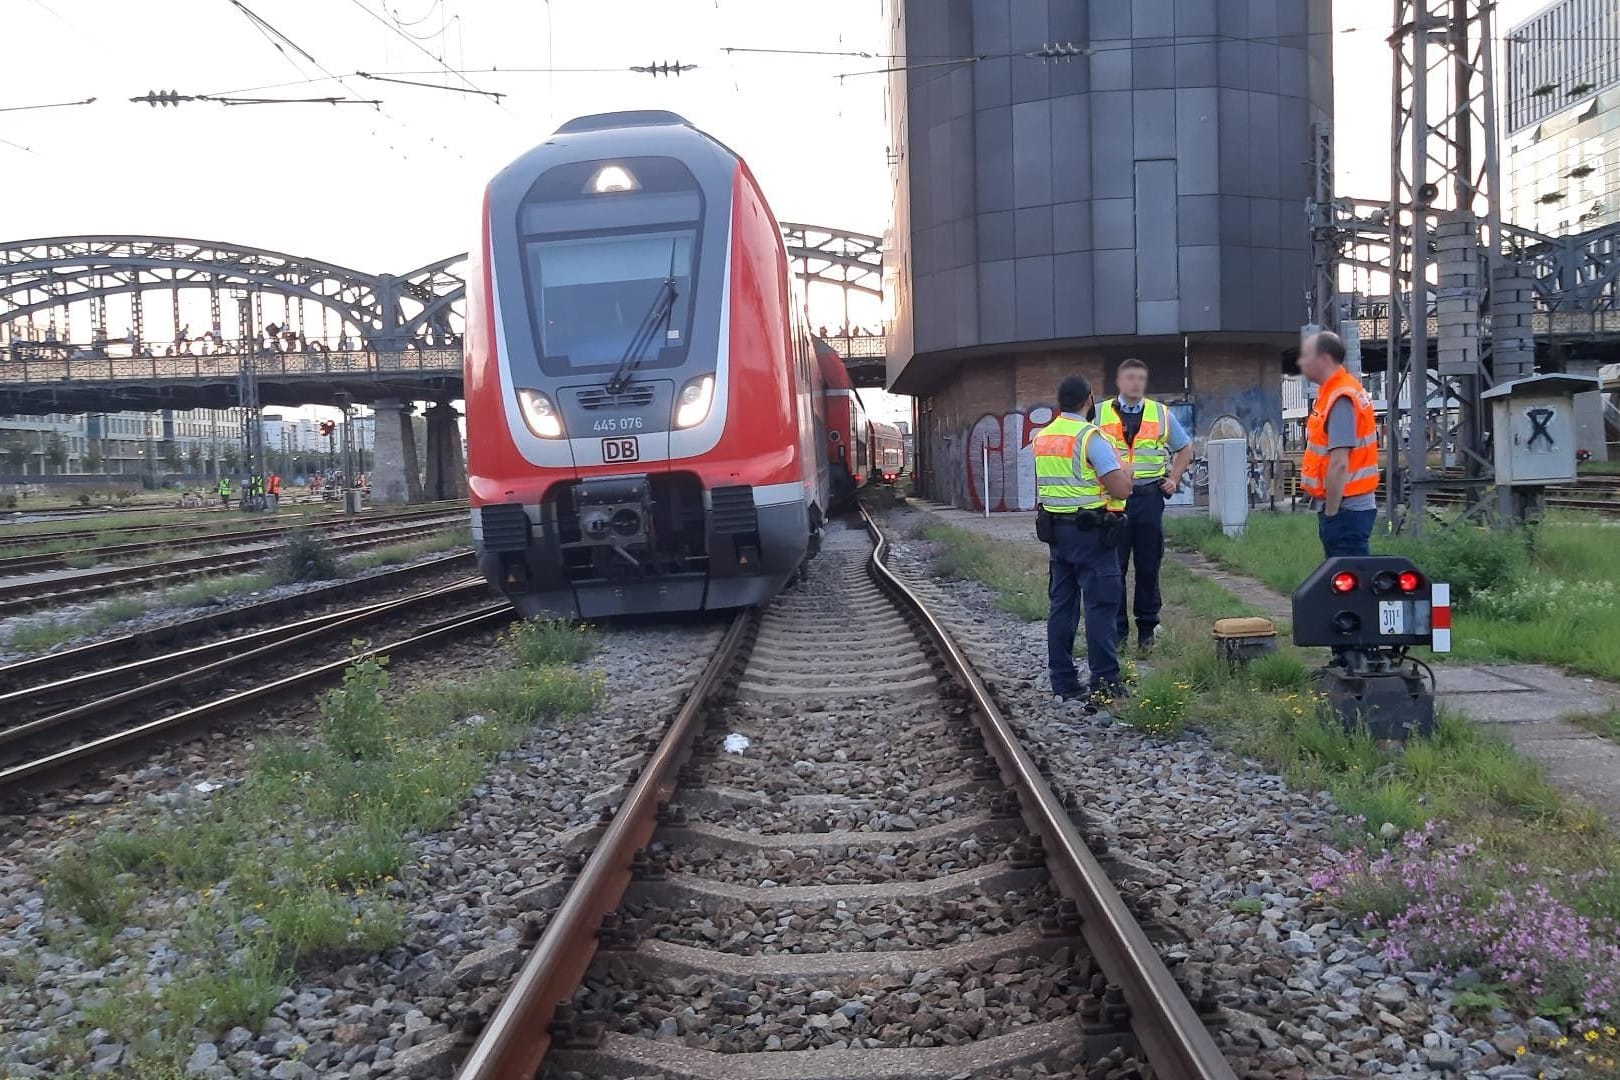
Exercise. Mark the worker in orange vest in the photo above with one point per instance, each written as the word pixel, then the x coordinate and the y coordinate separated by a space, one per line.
pixel 275 492
pixel 1340 468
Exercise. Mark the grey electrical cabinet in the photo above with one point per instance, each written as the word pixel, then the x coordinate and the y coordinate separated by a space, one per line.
pixel 1534 429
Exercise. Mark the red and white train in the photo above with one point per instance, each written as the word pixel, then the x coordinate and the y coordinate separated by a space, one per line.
pixel 888 453
pixel 645 416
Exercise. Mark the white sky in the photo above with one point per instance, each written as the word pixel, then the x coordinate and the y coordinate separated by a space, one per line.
pixel 391 190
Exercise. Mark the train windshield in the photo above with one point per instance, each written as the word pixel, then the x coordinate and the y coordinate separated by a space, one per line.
pixel 589 294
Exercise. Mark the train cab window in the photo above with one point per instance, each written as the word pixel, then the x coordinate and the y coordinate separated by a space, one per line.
pixel 596 258
pixel 590 295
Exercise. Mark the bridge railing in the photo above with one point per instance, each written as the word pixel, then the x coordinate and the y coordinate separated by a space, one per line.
pixel 1547 324
pixel 858 346
pixel 37 365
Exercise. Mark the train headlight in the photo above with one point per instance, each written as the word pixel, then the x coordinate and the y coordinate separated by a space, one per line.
pixel 695 401
pixel 611 178
pixel 540 414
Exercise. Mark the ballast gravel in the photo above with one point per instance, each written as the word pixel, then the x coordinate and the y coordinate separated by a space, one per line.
pixel 897 862
pixel 465 895
pixel 928 1007
pixel 842 927
pixel 1206 838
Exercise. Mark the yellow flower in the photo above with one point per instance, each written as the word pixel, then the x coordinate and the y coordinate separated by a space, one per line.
pixel 1592 1036
pixel 1519 1051
pixel 1610 1031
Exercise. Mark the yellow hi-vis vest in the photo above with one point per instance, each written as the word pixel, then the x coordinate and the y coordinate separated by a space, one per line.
pixel 1148 457
pixel 1065 480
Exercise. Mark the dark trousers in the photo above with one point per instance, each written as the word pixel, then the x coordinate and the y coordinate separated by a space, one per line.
pixel 1082 567
pixel 1349 532
pixel 1144 539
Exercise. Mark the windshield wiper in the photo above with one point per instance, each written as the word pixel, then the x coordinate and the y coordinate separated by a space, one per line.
pixel 657 315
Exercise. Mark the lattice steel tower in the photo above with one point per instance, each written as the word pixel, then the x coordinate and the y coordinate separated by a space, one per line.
pixel 1445 226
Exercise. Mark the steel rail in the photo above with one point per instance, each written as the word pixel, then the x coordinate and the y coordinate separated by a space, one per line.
pixel 54 666
pixel 518 1035
pixel 131 740
pixel 307 518
pixel 51 560
pixel 142 680
pixel 20 597
pixel 1177 1044
pixel 515 1042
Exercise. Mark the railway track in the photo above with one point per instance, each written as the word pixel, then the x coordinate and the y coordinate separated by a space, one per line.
pixel 17 597
pixel 19 564
pixel 881 875
pixel 311 514
pixel 122 648
pixel 57 729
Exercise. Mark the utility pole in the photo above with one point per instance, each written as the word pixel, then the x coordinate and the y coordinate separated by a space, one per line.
pixel 248 390
pixel 1445 224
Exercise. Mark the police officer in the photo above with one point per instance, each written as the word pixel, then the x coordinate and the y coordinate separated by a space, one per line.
pixel 1082 491
pixel 1155 450
pixel 1340 467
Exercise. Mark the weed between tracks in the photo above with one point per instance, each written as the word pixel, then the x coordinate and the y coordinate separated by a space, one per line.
pixel 1462 906
pixel 404 553
pixel 48 633
pixel 299 863
pixel 1548 597
pixel 305 557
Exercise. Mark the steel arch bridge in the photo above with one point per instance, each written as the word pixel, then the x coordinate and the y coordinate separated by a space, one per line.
pixel 99 312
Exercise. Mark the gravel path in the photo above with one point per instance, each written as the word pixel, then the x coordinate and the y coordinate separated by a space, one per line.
pixel 1205 839
pixel 466 896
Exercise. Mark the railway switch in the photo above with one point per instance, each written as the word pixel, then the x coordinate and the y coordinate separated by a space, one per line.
pixel 1371 610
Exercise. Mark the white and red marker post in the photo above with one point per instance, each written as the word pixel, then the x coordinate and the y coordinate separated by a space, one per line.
pixel 1440 617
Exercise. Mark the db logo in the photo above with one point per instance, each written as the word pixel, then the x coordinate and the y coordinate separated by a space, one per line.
pixel 617 450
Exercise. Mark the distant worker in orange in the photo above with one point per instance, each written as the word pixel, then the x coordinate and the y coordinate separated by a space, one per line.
pixel 1340 468
pixel 275 492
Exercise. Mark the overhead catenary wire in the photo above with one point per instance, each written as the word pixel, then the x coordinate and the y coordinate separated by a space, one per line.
pixel 375 77
pixel 48 105
pixel 417 45
pixel 415 22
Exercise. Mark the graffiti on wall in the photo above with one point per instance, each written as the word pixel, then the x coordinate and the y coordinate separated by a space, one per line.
pixel 1004 444
pixel 996 454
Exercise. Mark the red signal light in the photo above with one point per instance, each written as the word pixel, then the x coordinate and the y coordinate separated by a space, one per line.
pixel 1345 582
pixel 1411 581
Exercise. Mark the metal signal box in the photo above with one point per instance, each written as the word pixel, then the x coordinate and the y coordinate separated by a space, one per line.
pixel 1534 429
pixel 1369 611
pixel 1370 602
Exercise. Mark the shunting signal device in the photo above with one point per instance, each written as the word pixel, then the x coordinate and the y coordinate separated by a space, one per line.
pixel 1371 610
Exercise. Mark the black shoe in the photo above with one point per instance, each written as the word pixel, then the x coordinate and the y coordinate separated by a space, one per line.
pixel 1147 639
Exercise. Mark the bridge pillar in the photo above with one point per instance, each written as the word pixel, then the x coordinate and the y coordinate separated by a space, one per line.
pixel 446 470
pixel 396 477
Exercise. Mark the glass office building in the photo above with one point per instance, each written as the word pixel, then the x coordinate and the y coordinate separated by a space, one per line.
pixel 1562 164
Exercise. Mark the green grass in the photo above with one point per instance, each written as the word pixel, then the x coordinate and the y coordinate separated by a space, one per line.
pixel 289 868
pixel 1549 596
pixel 1017 575
pixel 550 641
pixel 1267 710
pixel 404 553
pixel 1606 724
pixel 48 633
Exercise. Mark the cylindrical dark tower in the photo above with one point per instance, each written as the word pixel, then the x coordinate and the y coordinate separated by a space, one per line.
pixel 1146 198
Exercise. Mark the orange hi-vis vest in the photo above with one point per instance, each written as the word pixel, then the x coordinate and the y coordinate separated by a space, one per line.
pixel 1363 456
